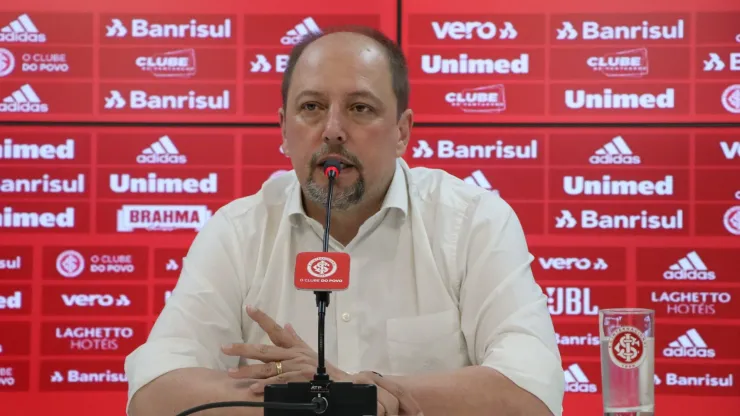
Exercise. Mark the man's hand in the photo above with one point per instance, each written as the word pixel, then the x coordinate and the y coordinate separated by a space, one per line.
pixel 393 399
pixel 297 360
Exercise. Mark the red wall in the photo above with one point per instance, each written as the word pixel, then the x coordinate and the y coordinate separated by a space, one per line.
pixel 72 77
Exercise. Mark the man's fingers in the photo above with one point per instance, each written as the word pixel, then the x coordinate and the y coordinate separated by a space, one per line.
pixel 390 404
pixel 295 336
pixel 261 352
pixel 407 405
pixel 292 376
pixel 257 371
pixel 277 333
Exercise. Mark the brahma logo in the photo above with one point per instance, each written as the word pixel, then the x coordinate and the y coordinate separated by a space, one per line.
pixel 125 183
pixel 579 185
pixel 578 99
pixel 142 100
pixel 162 217
pixel 174 64
pixel 632 63
pixel 163 151
pixel 447 149
pixel 306 27
pixel 615 152
pixel 591 219
pixel 21 30
pixel 435 64
pixel 488 99
pixel 575 301
pixel 576 380
pixel 691 267
pixel 10 150
pixel 689 345
pixel 11 219
pixel 141 28
pixel 591 30
pixel 474 30
pixel 23 100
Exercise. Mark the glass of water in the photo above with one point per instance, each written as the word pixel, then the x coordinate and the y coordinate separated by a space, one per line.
pixel 627 361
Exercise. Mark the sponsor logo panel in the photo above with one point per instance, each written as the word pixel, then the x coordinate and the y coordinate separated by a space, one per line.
pixel 719 98
pixel 262 99
pixel 162 292
pixel 45 183
pixel 582 377
pixel 717 149
pixel 264 149
pixel 82 375
pixel 697 380
pixel 49 217
pixel 153 217
pixel 37 98
pixel 620 219
pixel 169 183
pixel 718 62
pixel 15 339
pixel 619 63
pixel 265 63
pixel 510 184
pixel 620 149
pixel 168 262
pixel 718 185
pixel 91 338
pixel 632 99
pixel 14 376
pixel 167 98
pixel 157 64
pixel 91 263
pixel 28 62
pixel 288 29
pixel 15 300
pixel 622 184
pixel 476 29
pixel 717 27
pixel 254 178
pixel 486 64
pixel 579 263
pixel 624 29
pixel 575 300
pixel 46 28
pixel 484 98
pixel 531 216
pixel 690 302
pixel 687 265
pixel 577 340
pixel 484 148
pixel 718 219
pixel 168 29
pixel 98 300
pixel 166 149
pixel 698 342
pixel 42 147
pixel 16 263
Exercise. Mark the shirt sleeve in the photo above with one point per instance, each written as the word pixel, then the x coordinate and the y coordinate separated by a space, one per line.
pixel 504 314
pixel 201 314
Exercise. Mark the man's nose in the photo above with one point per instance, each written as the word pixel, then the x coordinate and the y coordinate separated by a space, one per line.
pixel 334 130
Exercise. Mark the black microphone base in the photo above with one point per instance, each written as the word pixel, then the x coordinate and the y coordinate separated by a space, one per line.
pixel 343 398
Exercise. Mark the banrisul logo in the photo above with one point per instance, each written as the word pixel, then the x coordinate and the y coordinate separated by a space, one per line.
pixel 190 29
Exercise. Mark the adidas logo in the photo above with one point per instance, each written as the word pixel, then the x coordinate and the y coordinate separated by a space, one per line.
pixel 691 267
pixel 479 179
pixel 163 151
pixel 690 345
pixel 616 152
pixel 23 100
pixel 576 381
pixel 306 27
pixel 22 30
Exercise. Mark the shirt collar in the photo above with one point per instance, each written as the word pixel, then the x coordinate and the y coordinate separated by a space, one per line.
pixel 397 196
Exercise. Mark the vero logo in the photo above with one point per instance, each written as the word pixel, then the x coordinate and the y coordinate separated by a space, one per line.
pixel 101 300
pixel 87 300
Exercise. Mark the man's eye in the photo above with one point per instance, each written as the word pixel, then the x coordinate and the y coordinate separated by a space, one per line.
pixel 310 107
pixel 361 108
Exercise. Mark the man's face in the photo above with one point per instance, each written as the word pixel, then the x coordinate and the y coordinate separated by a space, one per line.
pixel 341 104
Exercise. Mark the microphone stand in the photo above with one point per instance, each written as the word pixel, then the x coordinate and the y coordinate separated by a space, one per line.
pixel 322 298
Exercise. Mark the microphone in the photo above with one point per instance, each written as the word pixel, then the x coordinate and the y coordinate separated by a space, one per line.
pixel 324 272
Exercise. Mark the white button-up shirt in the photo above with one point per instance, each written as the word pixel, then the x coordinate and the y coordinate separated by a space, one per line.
pixel 440 279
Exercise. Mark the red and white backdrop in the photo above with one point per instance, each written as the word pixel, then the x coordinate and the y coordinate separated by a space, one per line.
pixel 124 126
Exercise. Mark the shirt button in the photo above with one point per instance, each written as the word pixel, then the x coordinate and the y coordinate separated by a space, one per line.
pixel 346 317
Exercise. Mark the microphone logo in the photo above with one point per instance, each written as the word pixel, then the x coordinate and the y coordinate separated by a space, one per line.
pixel 321 267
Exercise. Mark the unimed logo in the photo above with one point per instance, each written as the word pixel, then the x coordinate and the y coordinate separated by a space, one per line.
pixel 10 218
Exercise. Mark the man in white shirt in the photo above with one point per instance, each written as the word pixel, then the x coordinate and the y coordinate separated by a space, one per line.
pixel 442 312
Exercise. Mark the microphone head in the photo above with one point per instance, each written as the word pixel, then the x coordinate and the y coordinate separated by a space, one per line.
pixel 332 167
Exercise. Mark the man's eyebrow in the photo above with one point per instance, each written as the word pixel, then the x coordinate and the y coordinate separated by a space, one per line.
pixel 363 94
pixel 309 93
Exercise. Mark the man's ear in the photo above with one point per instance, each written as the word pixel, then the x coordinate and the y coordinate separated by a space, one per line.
pixel 405 123
pixel 284 145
